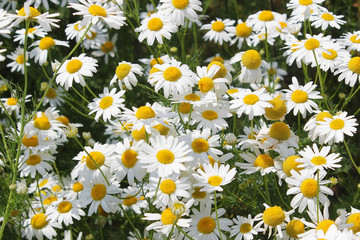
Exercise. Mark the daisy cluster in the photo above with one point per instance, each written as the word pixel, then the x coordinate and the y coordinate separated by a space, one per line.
pixel 165 166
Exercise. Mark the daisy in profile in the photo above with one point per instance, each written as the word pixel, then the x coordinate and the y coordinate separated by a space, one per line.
pixel 96 35
pixel 349 70
pixel 243 228
pixel 73 30
pixel 125 74
pixel 300 98
pixel 262 162
pixel 251 65
pixel 174 78
pixel 97 193
pixel 351 40
pixel 305 186
pixel 251 103
pixel 41 48
pixel 133 199
pixel 241 33
pixel 64 210
pixel 106 48
pixel 93 11
pixel 35 162
pixel 18 60
pixel 165 156
pixel 32 32
pixel 219 30
pixel 334 128
pixel 53 98
pixel 314 159
pixel 212 178
pixel 107 105
pixel 204 223
pixel 304 8
pixel 179 10
pixel 264 21
pixel 324 19
pixel 39 226
pixel 156 27
pixel 75 69
pixel 211 116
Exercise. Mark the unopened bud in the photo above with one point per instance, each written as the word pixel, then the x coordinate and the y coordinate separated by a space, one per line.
pixel 21 188
pixel 89 237
pixel 86 135
pixel 43 86
pixel 178 208
pixel 12 187
pixel 230 139
pixel 71 131
pixel 342 95
pixel 173 49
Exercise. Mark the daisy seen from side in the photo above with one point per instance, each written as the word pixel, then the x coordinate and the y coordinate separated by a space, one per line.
pixel 125 74
pixel 180 10
pixel 41 48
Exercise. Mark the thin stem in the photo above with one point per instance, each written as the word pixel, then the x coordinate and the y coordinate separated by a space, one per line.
pixel 317 196
pixel 351 158
pixel 185 234
pixel 266 187
pixel 38 187
pixel 172 228
pixel 188 123
pixel 217 218
pixel 281 198
pixel 299 122
pixel 132 225
pixel 234 123
pixel 80 95
pixel 89 89
pixel 262 195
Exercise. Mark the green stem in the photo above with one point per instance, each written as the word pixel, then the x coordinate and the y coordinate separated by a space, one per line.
pixel 278 192
pixel 80 95
pixel 234 123
pixel 188 123
pixel 89 89
pixel 172 228
pixel 185 234
pixel 351 158
pixel 266 187
pixel 317 196
pixel 260 192
pixel 128 218
pixel 217 218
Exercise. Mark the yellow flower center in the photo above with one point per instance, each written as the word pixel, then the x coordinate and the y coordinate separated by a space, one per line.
pixel 130 200
pixel 38 221
pixel 180 4
pixel 217 58
pixel 153 61
pixel 209 115
pixel 33 12
pixel 192 97
pixel 331 56
pixel 273 216
pixel 155 24
pixel 325 225
pixel 96 160
pixel 280 131
pixel 294 228
pixel 206 225
pixel 197 194
pixel 354 65
pixel 251 59
pixel 305 2
pixel 107 46
pixel 106 102
pixel 221 73
pixel 42 123
pixel 144 112
pixel 205 84
pixel 312 44
pixel 98 192
pixel 327 16
pixel 96 10
pixel 242 30
pixel 264 161
pixel 76 27
pixel 200 145
pixel 266 16
pixel 355 219
pixel 355 39
pixel 321 115
pixel 172 74
pixel 64 207
pixel 289 164
pixel 73 66
pixel 139 134
pixel 215 180
pixel 64 120
pixel 167 217
pixel 20 59
pixel 232 91
pixel 78 187
pixel 165 156
pixel 122 70
pixel 337 124
pixel 218 26
pixel 46 43
pixel 168 186
pixel 51 93
pixel 129 158
pixel 278 110
pixel 309 187
pixel 251 99
pixel 299 96
pixel 318 160
pixel 49 200
pixel 11 101
pixel 245 228
pixel 163 130
pixel 184 108
pixel 91 36
pixel 43 182
pixel 30 142
pixel 33 160
pixel 31 30
pixel 56 188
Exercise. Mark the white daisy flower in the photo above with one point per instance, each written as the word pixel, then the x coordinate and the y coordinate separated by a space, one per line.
pixel 353 218
pixel 262 162
pixel 324 19
pixel 45 124
pixel 312 126
pixel 106 48
pixel 260 37
pixel 53 98
pixel 96 36
pixel 180 10
pixel 64 210
pixel 208 80
pixel 243 228
pixel 93 11
pixel 349 70
pixel 18 60
pixel 40 52
pixel 264 21
pixel 251 103
pixel 219 30
pixel 248 140
pixel 73 30
pixel 278 109
pixel 133 198
pixel 125 74
pixel 156 27
pixel 335 128
pixel 332 233
pixel 305 186
pixel 251 65
pixel 351 40
pixel 173 78
pixel 75 187
pixel 240 33
pixel 75 69
pixel 35 162
pixel 39 226
pixel 304 8
pixel 212 178
pixel 32 32
pixel 332 57
pixel 314 159
pixel 299 98
pixel 108 104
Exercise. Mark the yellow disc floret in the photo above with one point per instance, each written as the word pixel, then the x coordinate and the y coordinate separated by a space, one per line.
pixel 251 99
pixel 129 158
pixel 33 160
pixel 337 124
pixel 325 225
pixel 122 70
pixel 294 228
pixel 245 228
pixel 106 102
pixel 145 112
pixel 206 84
pixel 318 160
pixel 299 96
pixel 331 56
pixel 107 46
pixel 200 145
pixel 95 160
pixel 20 59
pixel 64 207
pixel 218 26
pixel 42 123
pixel 180 4
pixel 168 186
pixel 266 16
pixel 355 219
pixel 73 66
pixel 38 221
pixel 273 216
pixel 309 188
pixel 206 225
pixel 215 180
pixel 172 74
pixel 11 101
pixel 167 217
pixel 78 187
pixel 251 59
pixel 305 2
pixel 278 110
pixel 96 10
pixel 242 30
pixel 130 200
pixel 46 43
pixel 165 156
pixel 289 164
pixel 327 16
pixel 280 131
pixel 354 65
pixel 98 192
pixel 264 161
pixel 31 141
pixel 312 44
pixel 209 115
pixel 33 12
pixel 155 24
pixel 221 73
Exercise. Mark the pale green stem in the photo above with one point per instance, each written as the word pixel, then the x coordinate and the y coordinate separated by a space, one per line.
pixel 317 196
pixel 351 158
pixel 132 225
pixel 188 123
pixel 185 234
pixel 172 228
pixel 217 218
pixel 266 187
